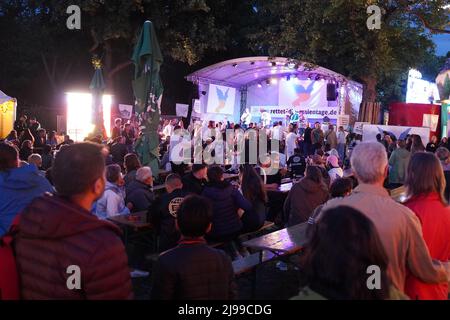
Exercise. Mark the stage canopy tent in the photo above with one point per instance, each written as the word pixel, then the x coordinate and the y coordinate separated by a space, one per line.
pixel 7 114
pixel 253 70
pixel 254 83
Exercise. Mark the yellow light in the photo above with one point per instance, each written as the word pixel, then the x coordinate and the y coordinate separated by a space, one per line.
pixel 107 102
pixel 79 115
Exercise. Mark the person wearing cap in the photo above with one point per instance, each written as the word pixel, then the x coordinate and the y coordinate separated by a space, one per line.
pixel 195 181
pixel 334 170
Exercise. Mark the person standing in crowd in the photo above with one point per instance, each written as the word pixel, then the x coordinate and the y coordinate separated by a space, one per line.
pixel 139 193
pixel 443 155
pixel 193 270
pixel 253 190
pixel 117 129
pixel 47 157
pixel 128 133
pixel 131 164
pixel 341 141
pixel 26 150
pixel 66 141
pixel 398 227
pixel 307 142
pixel 18 185
pixel 297 164
pixel 331 138
pixel 417 145
pixel 334 170
pixel 40 139
pixel 26 135
pixel 398 162
pixel 228 206
pixel 119 150
pixel 112 202
pixel 444 143
pixel 21 125
pixel 390 144
pixel 195 181
pixel 432 145
pixel 347 237
pixel 163 213
pixel 51 139
pixel 426 184
pixel 58 231
pixel 317 160
pixel 167 129
pixel 13 138
pixel 305 196
pixel 34 126
pixel 317 137
pixel 291 141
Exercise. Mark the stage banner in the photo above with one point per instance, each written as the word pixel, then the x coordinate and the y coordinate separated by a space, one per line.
pixel 221 99
pixel 307 96
pixel 125 111
pixel 370 132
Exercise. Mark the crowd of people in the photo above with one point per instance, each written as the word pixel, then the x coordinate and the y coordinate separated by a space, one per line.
pixel 60 195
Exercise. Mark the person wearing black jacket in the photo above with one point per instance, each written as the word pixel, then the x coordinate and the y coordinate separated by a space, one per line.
pixel 164 213
pixel 307 142
pixel 195 181
pixel 193 270
pixel 228 205
pixel 297 164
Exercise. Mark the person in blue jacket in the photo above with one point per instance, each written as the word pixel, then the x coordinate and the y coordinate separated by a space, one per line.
pixel 18 185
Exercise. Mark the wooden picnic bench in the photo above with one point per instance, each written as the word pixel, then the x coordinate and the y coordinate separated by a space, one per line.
pixel 137 223
pixel 245 236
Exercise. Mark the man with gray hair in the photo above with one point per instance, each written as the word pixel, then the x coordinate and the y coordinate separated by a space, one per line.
pixel 139 193
pixel 399 228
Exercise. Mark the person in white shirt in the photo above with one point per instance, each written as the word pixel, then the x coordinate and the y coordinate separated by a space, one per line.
pixel 341 142
pixel 291 142
pixel 246 118
pixel 265 118
pixel 335 171
pixel 168 129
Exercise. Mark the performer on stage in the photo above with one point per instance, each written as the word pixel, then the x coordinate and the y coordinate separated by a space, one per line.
pixel 266 118
pixel 246 118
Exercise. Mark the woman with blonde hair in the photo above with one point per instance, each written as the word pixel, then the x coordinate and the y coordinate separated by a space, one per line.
pixel 425 183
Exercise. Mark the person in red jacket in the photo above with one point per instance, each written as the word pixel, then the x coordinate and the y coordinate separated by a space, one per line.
pixel 426 184
pixel 62 250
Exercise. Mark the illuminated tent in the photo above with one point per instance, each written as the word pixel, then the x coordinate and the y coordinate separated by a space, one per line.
pixel 7 114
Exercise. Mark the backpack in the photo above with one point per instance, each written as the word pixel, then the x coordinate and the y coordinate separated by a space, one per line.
pixel 9 277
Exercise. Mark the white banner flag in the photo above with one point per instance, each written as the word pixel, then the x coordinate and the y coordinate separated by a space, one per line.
pixel 182 110
pixel 370 132
pixel 125 111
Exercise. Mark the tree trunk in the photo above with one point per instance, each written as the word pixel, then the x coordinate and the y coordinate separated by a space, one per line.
pixel 370 89
pixel 370 109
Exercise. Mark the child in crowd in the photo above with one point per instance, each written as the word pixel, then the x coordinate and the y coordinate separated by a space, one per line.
pixel 193 270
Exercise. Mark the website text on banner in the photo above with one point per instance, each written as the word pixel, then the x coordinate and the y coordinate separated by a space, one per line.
pixel 308 97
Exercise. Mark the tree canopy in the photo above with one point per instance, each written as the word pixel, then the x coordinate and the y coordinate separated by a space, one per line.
pixel 39 53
